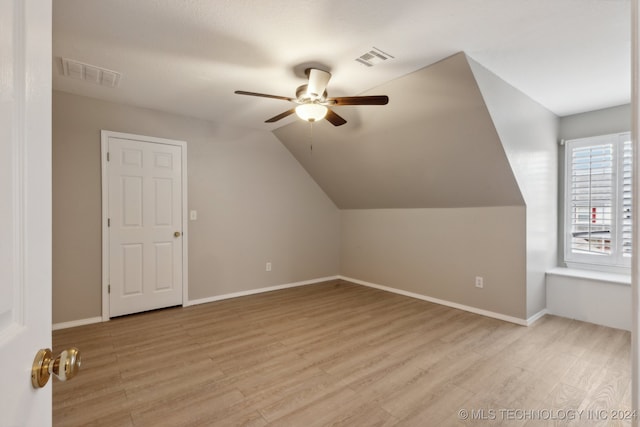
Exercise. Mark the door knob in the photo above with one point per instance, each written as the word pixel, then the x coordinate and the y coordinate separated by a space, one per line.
pixel 64 367
pixel 176 234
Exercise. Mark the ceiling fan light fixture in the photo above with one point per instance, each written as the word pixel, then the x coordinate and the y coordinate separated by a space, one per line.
pixel 311 112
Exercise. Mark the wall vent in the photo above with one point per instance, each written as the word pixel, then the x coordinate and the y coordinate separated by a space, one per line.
pixel 373 57
pixel 90 73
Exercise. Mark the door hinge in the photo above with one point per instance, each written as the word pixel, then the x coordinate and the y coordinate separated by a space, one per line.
pixel 107 156
pixel 108 222
pixel 108 289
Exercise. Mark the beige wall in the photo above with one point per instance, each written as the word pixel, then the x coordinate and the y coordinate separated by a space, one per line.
pixel 443 193
pixel 255 204
pixel 529 135
pixel 439 252
pixel 418 177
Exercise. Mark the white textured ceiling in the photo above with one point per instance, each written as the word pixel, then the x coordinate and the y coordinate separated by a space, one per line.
pixel 188 56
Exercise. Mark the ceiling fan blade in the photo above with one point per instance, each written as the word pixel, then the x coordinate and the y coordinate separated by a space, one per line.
pixel 264 95
pixel 280 116
pixel 359 100
pixel 334 118
pixel 318 81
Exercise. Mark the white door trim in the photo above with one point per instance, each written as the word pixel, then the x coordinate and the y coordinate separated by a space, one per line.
pixel 104 147
pixel 635 260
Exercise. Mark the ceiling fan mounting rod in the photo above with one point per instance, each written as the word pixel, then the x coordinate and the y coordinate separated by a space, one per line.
pixel 318 81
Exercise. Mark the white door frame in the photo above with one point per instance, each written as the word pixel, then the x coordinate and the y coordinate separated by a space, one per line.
pixel 104 146
pixel 635 260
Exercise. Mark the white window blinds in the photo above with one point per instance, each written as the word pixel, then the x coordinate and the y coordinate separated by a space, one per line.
pixel 598 200
pixel 627 168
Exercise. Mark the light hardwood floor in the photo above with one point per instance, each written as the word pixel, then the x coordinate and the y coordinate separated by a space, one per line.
pixel 340 354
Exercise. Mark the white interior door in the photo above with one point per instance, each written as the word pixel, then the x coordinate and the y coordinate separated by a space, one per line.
pixel 25 207
pixel 145 223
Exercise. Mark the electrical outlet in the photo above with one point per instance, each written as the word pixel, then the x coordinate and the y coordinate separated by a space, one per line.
pixel 479 282
pixel 268 267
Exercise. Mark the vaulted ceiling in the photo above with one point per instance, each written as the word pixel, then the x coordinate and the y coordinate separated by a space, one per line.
pixel 187 57
pixel 434 145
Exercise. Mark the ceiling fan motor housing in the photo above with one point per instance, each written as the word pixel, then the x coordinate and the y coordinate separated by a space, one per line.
pixel 303 96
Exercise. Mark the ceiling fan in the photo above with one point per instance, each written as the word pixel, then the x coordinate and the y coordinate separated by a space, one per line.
pixel 313 103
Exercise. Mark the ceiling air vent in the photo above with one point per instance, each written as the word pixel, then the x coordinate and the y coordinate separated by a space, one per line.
pixel 373 57
pixel 90 73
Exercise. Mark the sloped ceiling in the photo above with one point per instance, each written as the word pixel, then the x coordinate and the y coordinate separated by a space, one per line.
pixel 434 145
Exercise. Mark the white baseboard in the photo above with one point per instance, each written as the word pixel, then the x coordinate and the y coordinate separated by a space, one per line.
pixel 533 319
pixel 258 291
pixel 527 322
pixel 74 323
pixel 470 309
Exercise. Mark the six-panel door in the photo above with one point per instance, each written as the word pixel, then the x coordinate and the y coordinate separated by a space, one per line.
pixel 145 226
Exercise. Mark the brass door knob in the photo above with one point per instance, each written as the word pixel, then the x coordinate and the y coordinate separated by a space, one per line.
pixel 64 367
pixel 177 234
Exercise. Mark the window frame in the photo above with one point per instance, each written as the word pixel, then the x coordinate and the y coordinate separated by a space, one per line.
pixel 617 261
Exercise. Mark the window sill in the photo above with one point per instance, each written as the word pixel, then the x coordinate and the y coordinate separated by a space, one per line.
pixel 620 279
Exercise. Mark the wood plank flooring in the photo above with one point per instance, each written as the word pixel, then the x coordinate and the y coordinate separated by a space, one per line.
pixel 341 354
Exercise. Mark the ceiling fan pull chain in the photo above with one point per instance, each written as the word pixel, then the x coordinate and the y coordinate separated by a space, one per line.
pixel 311 137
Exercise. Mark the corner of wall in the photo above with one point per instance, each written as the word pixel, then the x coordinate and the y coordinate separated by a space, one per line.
pixel 529 135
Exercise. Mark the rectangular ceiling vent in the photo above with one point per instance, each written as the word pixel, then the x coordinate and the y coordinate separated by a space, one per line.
pixel 90 73
pixel 373 57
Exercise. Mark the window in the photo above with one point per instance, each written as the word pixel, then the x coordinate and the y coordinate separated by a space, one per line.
pixel 598 200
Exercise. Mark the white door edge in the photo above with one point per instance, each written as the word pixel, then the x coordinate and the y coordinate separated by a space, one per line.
pixel 104 147
pixel 25 207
